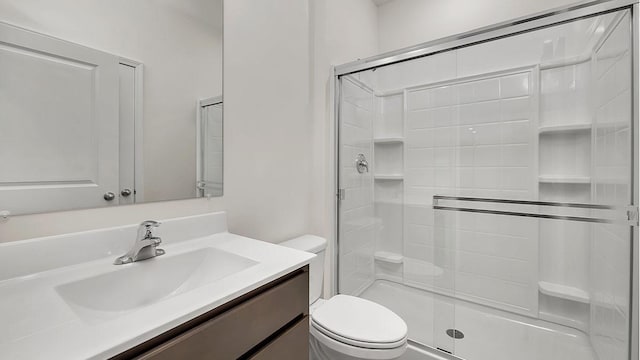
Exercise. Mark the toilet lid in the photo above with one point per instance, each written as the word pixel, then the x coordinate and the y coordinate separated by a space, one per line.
pixel 350 318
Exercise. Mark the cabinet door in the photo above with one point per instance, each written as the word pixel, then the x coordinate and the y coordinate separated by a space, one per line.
pixel 243 328
pixel 292 344
pixel 58 124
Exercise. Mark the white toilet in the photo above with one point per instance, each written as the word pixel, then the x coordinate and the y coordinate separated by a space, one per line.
pixel 347 327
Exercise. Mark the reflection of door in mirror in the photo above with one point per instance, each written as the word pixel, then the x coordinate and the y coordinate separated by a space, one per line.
pixel 59 128
pixel 131 189
pixel 209 148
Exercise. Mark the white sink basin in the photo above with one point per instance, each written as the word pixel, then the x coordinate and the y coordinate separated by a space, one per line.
pixel 131 286
pixel 64 290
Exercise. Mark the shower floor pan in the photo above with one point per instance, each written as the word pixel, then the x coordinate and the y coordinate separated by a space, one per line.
pixel 489 334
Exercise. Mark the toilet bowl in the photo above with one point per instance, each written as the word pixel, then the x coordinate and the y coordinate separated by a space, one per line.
pixel 346 327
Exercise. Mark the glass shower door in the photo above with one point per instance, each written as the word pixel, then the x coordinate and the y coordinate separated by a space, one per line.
pixel 210 157
pixel 485 193
pixel 357 223
pixel 495 296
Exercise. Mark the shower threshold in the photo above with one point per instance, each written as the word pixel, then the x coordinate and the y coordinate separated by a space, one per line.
pixel 489 334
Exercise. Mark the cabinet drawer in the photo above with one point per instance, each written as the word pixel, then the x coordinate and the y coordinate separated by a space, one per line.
pixel 238 330
pixel 293 344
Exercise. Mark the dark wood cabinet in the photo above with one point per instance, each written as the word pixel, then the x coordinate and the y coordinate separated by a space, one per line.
pixel 268 323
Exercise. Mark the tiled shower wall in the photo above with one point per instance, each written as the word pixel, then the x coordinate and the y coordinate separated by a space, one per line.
pixel 473 137
pixel 610 244
pixel 357 223
pixel 213 143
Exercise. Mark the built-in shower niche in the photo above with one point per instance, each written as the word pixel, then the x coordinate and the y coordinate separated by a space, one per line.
pixel 388 165
pixel 389 120
pixel 565 157
pixel 388 159
pixel 564 176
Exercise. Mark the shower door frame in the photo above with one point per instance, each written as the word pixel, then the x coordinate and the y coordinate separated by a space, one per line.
pixel 517 26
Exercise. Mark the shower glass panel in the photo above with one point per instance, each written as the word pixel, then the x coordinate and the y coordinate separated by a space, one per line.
pixel 492 215
pixel 211 144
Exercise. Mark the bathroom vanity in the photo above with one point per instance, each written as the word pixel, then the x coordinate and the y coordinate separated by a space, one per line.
pixel 211 295
pixel 268 323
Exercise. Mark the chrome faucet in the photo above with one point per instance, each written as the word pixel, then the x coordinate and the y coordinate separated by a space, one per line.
pixel 145 246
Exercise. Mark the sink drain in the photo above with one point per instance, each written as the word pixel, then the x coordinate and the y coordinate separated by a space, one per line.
pixel 456 334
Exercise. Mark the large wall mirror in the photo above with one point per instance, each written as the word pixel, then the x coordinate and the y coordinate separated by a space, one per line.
pixel 106 103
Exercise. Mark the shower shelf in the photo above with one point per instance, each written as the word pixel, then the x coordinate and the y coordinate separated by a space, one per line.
pixel 565 128
pixel 389 140
pixel 388 257
pixel 554 179
pixel 389 177
pixel 564 292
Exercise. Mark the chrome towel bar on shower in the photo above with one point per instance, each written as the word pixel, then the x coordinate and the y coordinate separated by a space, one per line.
pixel 625 215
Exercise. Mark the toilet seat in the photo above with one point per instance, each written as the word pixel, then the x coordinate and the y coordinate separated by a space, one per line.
pixel 358 327
pixel 360 344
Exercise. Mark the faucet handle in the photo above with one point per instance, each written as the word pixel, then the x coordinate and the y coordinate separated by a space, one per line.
pixel 156 240
pixel 150 223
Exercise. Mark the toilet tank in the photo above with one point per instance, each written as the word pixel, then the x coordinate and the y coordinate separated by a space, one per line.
pixel 315 245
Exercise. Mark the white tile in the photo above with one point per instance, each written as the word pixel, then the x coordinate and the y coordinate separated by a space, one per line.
pixel 518 226
pixel 443 116
pixel 418 234
pixel 418 251
pixel 465 135
pixel 444 157
pixel 487 178
pixel 420 138
pixel 488 155
pixel 516 178
pixel 419 195
pixel 444 96
pixel 419 99
pixel 444 177
pixel 496 245
pixel 357 96
pixel 420 119
pixel 466 93
pixel 514 85
pixel 516 109
pixel 479 113
pixel 516 132
pixel 444 136
pixel 420 215
pixel 465 156
pixel 493 266
pixel 486 90
pixel 487 134
pixel 516 155
pixel 465 177
pixel 420 158
pixel 420 177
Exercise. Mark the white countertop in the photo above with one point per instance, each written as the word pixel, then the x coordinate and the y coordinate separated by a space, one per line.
pixel 37 323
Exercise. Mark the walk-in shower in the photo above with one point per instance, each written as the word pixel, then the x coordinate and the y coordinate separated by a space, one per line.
pixel 497 210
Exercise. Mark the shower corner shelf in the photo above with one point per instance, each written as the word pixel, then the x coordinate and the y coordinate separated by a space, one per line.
pixel 388 257
pixel 388 140
pixel 565 128
pixel 396 177
pixel 564 292
pixel 555 179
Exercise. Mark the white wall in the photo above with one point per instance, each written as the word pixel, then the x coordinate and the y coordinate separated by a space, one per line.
pixel 182 53
pixel 343 31
pixel 404 23
pixel 267 118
